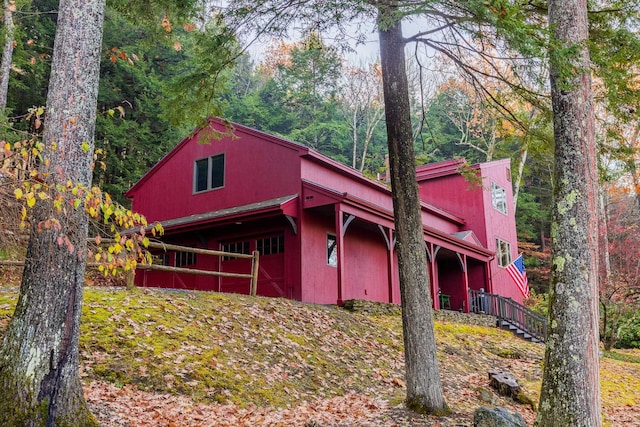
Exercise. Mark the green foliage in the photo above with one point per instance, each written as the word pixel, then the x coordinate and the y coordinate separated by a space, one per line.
pixel 533 217
pixel 538 303
pixel 200 77
pixel 308 85
pixel 439 136
pixel 35 31
pixel 629 332
pixel 133 82
pixel 615 50
pixel 158 16
pixel 297 99
pixel 145 46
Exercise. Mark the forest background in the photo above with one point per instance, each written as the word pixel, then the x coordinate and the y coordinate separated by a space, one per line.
pixel 157 84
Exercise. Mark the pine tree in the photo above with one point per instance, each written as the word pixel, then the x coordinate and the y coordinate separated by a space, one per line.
pixel 39 379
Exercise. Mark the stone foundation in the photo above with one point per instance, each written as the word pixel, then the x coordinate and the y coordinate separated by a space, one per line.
pixel 386 309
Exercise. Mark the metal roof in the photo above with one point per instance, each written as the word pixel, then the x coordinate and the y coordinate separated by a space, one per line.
pixel 265 205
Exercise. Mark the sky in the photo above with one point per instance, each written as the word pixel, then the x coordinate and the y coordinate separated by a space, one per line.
pixel 364 50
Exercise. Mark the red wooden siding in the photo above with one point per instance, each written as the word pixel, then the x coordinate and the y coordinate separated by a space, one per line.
pixel 346 180
pixel 272 187
pixel 366 270
pixel 254 170
pixel 436 182
pixel 319 279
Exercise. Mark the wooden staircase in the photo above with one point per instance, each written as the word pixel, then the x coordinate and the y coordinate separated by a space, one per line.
pixel 510 315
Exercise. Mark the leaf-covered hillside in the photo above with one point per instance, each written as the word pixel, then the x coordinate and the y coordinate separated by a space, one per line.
pixel 158 358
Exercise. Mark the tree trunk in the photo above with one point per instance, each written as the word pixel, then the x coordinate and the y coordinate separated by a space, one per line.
pixel 7 54
pixel 570 393
pixel 354 136
pixel 518 180
pixel 632 164
pixel 607 333
pixel 424 388
pixel 39 380
pixel 604 276
pixel 372 123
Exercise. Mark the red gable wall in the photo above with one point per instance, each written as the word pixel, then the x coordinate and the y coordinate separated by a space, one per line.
pixel 442 185
pixel 255 169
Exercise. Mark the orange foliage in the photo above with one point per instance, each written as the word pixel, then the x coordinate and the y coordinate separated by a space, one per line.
pixel 278 54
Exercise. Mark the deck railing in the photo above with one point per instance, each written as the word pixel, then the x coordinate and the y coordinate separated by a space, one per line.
pixel 509 311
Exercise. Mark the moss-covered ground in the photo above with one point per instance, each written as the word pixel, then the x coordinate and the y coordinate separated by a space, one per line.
pixel 220 348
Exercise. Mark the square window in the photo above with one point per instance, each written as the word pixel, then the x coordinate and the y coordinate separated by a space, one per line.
pixel 332 252
pixel 498 198
pixel 209 173
pixel 503 252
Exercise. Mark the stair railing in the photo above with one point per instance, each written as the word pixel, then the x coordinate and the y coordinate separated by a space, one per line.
pixel 509 311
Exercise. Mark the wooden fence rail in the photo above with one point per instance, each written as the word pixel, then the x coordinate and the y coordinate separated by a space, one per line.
pixel 252 276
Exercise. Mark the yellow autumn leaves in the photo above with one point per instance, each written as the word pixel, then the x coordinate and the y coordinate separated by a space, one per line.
pixel 126 242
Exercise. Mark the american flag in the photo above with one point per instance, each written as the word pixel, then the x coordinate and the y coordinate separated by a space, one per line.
pixel 519 275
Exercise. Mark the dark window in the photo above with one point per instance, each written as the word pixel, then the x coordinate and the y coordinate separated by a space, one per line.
pixel 217 171
pixel 202 168
pixel 184 259
pixel 209 173
pixel 236 248
pixel 332 253
pixel 270 245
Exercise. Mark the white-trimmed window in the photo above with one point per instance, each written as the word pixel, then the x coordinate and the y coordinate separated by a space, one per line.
pixel 498 198
pixel 503 252
pixel 208 173
pixel 332 250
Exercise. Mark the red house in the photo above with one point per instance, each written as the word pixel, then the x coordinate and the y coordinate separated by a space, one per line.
pixel 325 232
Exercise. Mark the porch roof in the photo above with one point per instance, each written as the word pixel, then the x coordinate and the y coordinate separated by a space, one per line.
pixel 280 205
pixel 464 242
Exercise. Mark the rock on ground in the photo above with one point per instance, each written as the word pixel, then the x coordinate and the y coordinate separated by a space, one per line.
pixel 498 417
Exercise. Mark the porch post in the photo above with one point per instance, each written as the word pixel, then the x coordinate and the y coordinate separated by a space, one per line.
pixel 219 278
pixel 465 282
pixel 433 274
pixel 487 277
pixel 390 263
pixel 340 251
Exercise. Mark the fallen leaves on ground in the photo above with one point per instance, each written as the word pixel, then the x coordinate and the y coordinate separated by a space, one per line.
pixel 127 406
pixel 184 359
